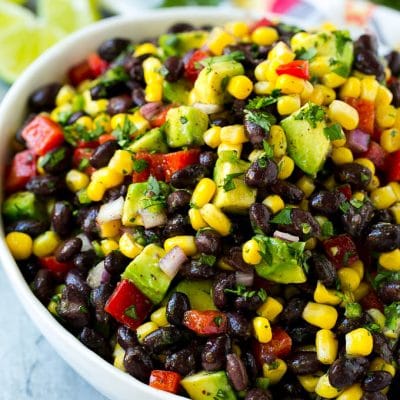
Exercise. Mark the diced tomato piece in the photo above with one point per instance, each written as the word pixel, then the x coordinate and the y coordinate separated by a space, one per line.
pixel 206 322
pixel 58 269
pixel 180 159
pixel 165 380
pixel 346 190
pixel 376 154
pixel 106 137
pixel 393 166
pixel 258 24
pixel 155 167
pixel 128 305
pixel 371 300
pixel 192 68
pixel 23 168
pixel 97 64
pixel 81 154
pixel 366 113
pixel 92 144
pixel 80 72
pixel 341 250
pixel 298 68
pixel 160 118
pixel 42 135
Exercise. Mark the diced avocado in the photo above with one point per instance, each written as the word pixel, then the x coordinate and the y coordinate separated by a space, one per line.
pixel 208 386
pixel 185 126
pixel 282 262
pixel 176 92
pixel 23 205
pixel 198 292
pixel 151 141
pixel 307 143
pixel 334 50
pixel 177 44
pixel 210 85
pixel 145 273
pixel 232 194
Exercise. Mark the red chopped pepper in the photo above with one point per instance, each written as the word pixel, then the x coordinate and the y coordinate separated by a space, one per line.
pixel 366 113
pixel 346 190
pixel 160 118
pixel 106 137
pixel 128 305
pixel 154 167
pixel 192 68
pixel 376 154
pixel 58 269
pixel 206 322
pixel 80 159
pixel 96 64
pixel 80 72
pixel 371 300
pixel 341 250
pixel 393 166
pixel 42 135
pixel 22 168
pixel 180 159
pixel 92 144
pixel 298 68
pixel 260 23
pixel 165 380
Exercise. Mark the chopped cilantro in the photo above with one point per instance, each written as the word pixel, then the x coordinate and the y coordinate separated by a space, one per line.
pixel 241 291
pixel 344 207
pixel 392 314
pixel 267 155
pixel 263 101
pixel 334 132
pixel 139 165
pixel 364 177
pixel 234 56
pixel 341 69
pixel 131 312
pixel 306 54
pixel 372 327
pixel 218 320
pixel 51 159
pixel 123 133
pixel 384 276
pixel 183 120
pixel 83 164
pixel 261 118
pixel 327 229
pixel 288 28
pixel 284 217
pixel 154 195
pixel 83 309
pixel 305 228
pixel 346 257
pixel 112 75
pixel 273 365
pixel 353 310
pixel 229 184
pixel 207 259
pixel 342 37
pixel 312 114
pixel 356 203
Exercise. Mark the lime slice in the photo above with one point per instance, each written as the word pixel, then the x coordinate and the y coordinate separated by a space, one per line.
pixel 12 16
pixel 68 15
pixel 14 1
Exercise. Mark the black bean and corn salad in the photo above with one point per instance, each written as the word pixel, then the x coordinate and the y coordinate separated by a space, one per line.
pixel 216 211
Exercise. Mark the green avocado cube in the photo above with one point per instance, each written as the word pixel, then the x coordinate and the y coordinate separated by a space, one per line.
pixel 23 205
pixel 151 141
pixel 176 92
pixel 177 44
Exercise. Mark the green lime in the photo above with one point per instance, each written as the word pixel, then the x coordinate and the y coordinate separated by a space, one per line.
pixel 14 1
pixel 12 16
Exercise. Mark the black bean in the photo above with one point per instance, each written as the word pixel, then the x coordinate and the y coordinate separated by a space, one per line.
pixel 183 362
pixel 177 305
pixel 178 201
pixel 207 159
pixel 44 98
pixel 303 224
pixel 248 304
pixel 119 104
pixel 389 291
pixel 293 310
pixel 115 262
pixel 188 177
pixel 326 202
pixel 110 90
pixel 259 217
pixel 29 268
pixel 43 285
pixel 84 260
pixel 57 160
pixel 68 249
pixel 115 193
pixel 261 174
pixel 304 362
pixel 174 67
pixel 98 300
pixel 288 191
pixel 239 326
pixel 302 333
pixel 208 241
pixel 368 42
pixel 393 60
pixel 356 219
pixel 384 237
pixel 234 258
pixel 345 325
pixel 31 227
pixel 195 269
pixel 382 347
pixel 355 174
pixel 103 153
pixel 324 269
pixel 236 372
pixel 87 219
pixel 126 337
pixel 177 225
pixel 368 63
pixel 255 133
pixel 112 48
pixel 45 185
pixel 61 218
pixel 77 279
pixel 213 356
pixel 258 394
pixel 376 380
pixel 222 282
pixel 95 342
pixel 73 308
pixel 164 338
pixel 180 27
pixel 346 371
pixel 394 87
pixel 138 97
pixel 374 396
pixel 74 117
pixel 382 216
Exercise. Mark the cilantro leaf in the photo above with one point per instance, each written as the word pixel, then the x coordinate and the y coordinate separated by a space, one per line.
pixel 229 184
pixel 260 118
pixel 327 229
pixel 284 217
pixel 334 132
pixel 131 312
pixel 344 207
pixel 52 158
pixel 384 276
pixel 306 54
pixel 83 164
pixel 123 133
pixel 263 101
pixel 356 203
pixel 139 165
pixel 392 314
pixel 342 37
pixel 234 56
pixel 207 259
pixel 353 310
pixel 372 327
pixel 312 114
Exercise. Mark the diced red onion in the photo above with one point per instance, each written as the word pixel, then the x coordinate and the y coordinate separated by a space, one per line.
pixel 95 275
pixel 150 110
pixel 86 243
pixel 286 236
pixel 151 220
pixel 110 211
pixel 245 278
pixel 172 261
pixel 358 141
pixel 208 108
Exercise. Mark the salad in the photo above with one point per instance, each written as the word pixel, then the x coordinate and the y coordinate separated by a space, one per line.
pixel 216 210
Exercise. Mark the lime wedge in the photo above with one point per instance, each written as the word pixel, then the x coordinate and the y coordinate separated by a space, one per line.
pixel 68 15
pixel 12 16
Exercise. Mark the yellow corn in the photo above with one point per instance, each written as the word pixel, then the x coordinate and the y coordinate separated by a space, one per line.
pixel 65 95
pixel 255 155
pixel 45 244
pixel 385 115
pixel 344 114
pixel 326 346
pixel 369 89
pixel 309 382
pixel 378 364
pixel 342 155
pixel 306 184
pixel 103 121
pixel 20 245
pixel 264 87
pixel 384 96
pixel 349 279
pixel 359 342
pixel 128 247
pixel 240 87
pixel 233 134
pixel 304 205
pixel 395 211
pixel 322 295
pixel 365 162
pixel 212 137
pixel 351 88
pixel 118 120
pixel 362 290
pixel 108 245
pixel 141 123
pixel 374 184
pixel 339 142
pixel 153 92
pixel 151 70
pixel 396 189
pixel 58 112
pixel 145 48
pixel 196 220
pixel 277 139
pixel 286 167
pixel 325 389
pixel 203 192
pixel 274 371
pixel 358 266
pixel 333 80
pixel 159 316
pixel 95 190
pixel 383 197
pixel 360 196
pixel 328 93
pixel 216 219
pixel 320 66
pixel 306 94
pixel 330 183
pixel 85 122
pixel 261 71
pixel 288 104
pixel 272 76
pixel 270 309
pixel 108 177
pixel 264 36
pixel 274 203
pixel 317 95
pixel 390 260
pixel 110 229
pixel 289 84
pixel 320 315
pixel 237 28
pixel 281 52
pixel 251 252
pixel 223 265
pixel 186 243
pixel 119 354
pixel 262 329
pixel 353 392
pixel 218 40
pixel 230 147
pixel 377 316
pixel 144 330
pixel 121 162
pixel 390 140
pixel 76 180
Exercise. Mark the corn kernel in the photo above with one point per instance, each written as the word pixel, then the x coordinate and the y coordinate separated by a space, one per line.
pixel 306 94
pixel 362 290
pixel 121 162
pixel 286 167
pixel 262 329
pixel 396 189
pixel 390 260
pixel 378 364
pixel 354 392
pixel 274 371
pixel 359 342
pixel 85 122
pixel 365 162
pixel 233 134
pixel 255 155
pixel 272 76
pixel 288 104
pixel 264 36
pixel 317 96
pixel 328 94
pixel 306 184
pixel 58 112
pixel 333 80
pixel 108 177
pixel 261 71
pixel 153 92
pixel 358 266
pixel 344 114
pixel 281 52
pixel 351 88
pixel 20 245
pixel 384 96
pixel 349 279
pixel 95 190
pixel 119 354
pixel 159 316
pixel 320 66
pixel 390 140
pixel 369 89
pixel 264 87
pixel 299 39
pixel 309 382
pixel 141 123
pixel 151 70
pixel 212 137
pixel 145 329
pixel 385 115
pixel 145 48
pixel 377 317
pixel 224 265
pixel 374 183
pixel 339 142
pixel 325 389
pixel 274 203
pixel 203 192
pixel 230 147
pixel 240 87
pixel 289 84
pixel 216 219
pixel 110 229
pixel 383 197
pixel 45 244
pixel 237 28
pixel 322 295
pixel 342 155
pixel 218 40
pixel 196 220
pixel 327 346
pixel 251 252
pixel 65 95
pixel 270 309
pixel 395 211
pixel 185 242
pixel 76 180
pixel 320 315
pixel 108 245
pixel 103 121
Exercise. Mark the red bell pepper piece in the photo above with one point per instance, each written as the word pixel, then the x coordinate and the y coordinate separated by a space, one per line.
pixel 346 190
pixel 22 168
pixel 155 167
pixel 341 250
pixel 178 160
pixel 298 68
pixel 260 23
pixel 393 166
pixel 82 155
pixel 376 154
pixel 206 322
pixel 58 269
pixel 192 67
pixel 96 64
pixel 91 144
pixel 106 137
pixel 160 118
pixel 128 305
pixel 165 380
pixel 366 113
pixel 371 300
pixel 80 72
pixel 42 135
